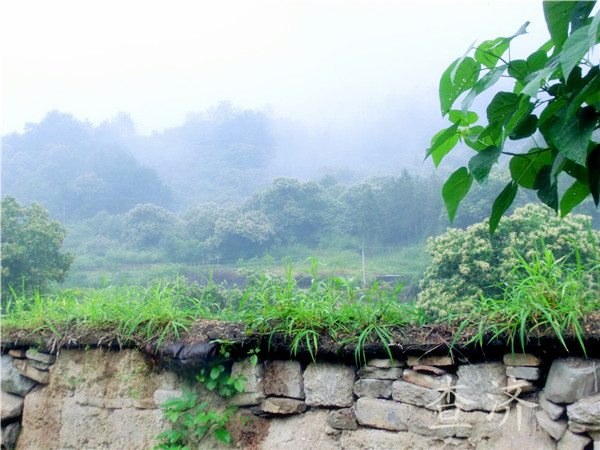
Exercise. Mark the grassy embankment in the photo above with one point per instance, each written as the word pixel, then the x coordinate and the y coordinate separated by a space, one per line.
pixel 543 295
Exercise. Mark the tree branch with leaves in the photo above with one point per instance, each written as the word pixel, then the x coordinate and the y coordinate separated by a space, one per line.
pixel 555 102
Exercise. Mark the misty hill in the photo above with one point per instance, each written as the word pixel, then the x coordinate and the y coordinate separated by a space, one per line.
pixel 222 155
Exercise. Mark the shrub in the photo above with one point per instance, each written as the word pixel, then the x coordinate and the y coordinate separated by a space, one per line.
pixel 468 264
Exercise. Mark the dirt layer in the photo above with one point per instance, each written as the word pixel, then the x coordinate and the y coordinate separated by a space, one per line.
pixel 204 340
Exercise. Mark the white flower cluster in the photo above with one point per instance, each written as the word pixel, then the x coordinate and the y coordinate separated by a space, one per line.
pixel 467 264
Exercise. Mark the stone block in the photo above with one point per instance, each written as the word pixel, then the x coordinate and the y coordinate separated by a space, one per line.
pixel 370 387
pixel 383 414
pixel 523 372
pixel 481 386
pixel 143 403
pixel 162 395
pixel 9 435
pixel 554 411
pixel 42 357
pixel 44 367
pixel 555 428
pixel 393 373
pixel 521 359
pixel 428 381
pixel 517 387
pixel 327 384
pixel 11 379
pixel 12 405
pixel 41 376
pixel 405 392
pixel 571 379
pixel 572 441
pixel 247 399
pixel 284 378
pixel 280 405
pixel 431 360
pixel 584 414
pixel 253 373
pixel 17 353
pixel 435 370
pixel 342 419
pixel 396 416
pixel 385 363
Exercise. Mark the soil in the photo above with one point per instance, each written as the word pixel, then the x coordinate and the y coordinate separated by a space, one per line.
pixel 205 338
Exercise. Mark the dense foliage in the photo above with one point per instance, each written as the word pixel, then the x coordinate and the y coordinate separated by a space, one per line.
pixel 555 103
pixel 31 247
pixel 470 264
pixel 76 170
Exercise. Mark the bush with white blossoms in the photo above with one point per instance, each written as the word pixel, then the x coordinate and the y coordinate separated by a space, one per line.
pixel 468 264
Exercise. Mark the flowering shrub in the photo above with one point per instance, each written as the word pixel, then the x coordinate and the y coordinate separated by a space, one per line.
pixel 468 264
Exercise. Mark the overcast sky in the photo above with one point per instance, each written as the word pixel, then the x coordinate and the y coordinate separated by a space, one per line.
pixel 308 60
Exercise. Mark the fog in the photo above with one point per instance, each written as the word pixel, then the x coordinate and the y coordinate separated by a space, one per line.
pixel 318 62
pixel 108 106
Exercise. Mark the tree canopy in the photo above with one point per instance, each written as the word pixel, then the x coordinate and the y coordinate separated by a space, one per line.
pixel 31 244
pixel 554 102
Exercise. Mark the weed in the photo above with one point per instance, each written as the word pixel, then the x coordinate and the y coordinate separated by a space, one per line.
pixel 191 418
pixel 543 294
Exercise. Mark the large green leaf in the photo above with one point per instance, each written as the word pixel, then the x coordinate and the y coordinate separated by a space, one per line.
pixel 523 111
pixel 502 107
pixel 580 13
pixel 524 128
pixel 534 80
pixel 593 166
pixel 558 17
pixel 464 118
pixel 454 190
pixel 546 187
pixel 574 49
pixel 537 60
pixel 571 136
pixel 471 138
pixel 442 143
pixel 489 52
pixel 552 111
pixel 486 81
pixel 518 69
pixel 524 168
pixel 502 203
pixel 587 92
pixel 481 164
pixel 222 435
pixel 458 78
pixel 573 196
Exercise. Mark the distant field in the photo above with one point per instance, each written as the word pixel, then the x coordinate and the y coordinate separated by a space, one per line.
pixel 142 268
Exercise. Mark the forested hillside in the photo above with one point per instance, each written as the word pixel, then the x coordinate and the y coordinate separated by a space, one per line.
pixel 212 192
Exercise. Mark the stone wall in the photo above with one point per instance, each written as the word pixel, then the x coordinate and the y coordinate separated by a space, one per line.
pixel 110 399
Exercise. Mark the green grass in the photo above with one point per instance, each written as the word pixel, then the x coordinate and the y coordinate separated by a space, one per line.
pixel 542 295
pixel 331 306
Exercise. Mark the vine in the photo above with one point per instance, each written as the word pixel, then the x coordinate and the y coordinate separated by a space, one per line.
pixel 192 420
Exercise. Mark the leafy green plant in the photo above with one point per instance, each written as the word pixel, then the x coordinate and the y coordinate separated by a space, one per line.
pixel 543 294
pixel 555 94
pixel 192 419
pixel 215 378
